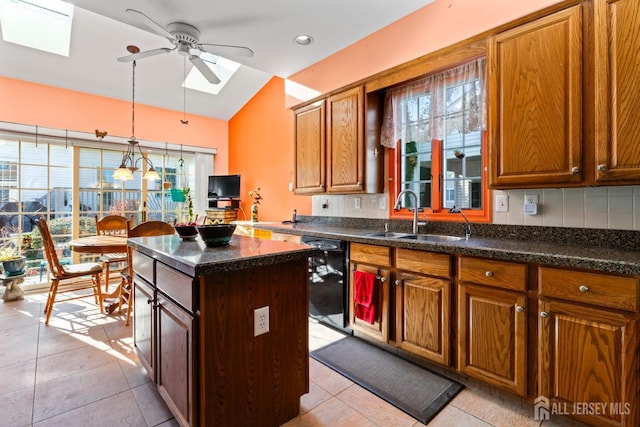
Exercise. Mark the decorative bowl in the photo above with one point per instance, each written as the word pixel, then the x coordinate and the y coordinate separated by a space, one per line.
pixel 216 234
pixel 186 232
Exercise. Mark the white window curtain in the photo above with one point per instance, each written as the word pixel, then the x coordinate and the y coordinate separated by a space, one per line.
pixel 429 118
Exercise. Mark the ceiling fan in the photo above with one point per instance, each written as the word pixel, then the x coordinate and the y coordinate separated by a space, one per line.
pixel 184 38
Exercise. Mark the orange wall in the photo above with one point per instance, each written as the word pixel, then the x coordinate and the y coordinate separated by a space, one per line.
pixel 261 151
pixel 436 25
pixel 31 103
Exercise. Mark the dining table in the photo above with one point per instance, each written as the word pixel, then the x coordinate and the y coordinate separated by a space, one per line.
pixel 102 244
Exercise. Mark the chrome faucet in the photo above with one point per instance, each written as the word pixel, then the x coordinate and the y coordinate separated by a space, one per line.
pixel 467 227
pixel 415 209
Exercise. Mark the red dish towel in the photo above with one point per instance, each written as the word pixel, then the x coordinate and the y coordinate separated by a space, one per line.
pixel 364 296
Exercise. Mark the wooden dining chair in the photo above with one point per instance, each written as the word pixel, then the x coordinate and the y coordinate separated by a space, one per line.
pixel 149 228
pixel 70 273
pixel 111 225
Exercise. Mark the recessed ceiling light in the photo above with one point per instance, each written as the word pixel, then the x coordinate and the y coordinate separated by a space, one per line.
pixel 303 40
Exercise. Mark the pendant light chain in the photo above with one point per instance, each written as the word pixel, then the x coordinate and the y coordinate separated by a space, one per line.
pixel 133 103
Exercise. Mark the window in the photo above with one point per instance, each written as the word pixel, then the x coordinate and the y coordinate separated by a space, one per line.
pixel 435 127
pixel 38 178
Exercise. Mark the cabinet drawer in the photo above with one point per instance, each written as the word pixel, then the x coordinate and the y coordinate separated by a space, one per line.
pixel 423 262
pixel 370 254
pixel 590 288
pixel 143 266
pixel 500 274
pixel 176 285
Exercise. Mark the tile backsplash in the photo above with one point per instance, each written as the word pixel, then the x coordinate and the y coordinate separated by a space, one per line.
pixel 616 207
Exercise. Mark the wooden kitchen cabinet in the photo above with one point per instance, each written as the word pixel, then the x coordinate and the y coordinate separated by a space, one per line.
pixel 337 148
pixel 423 304
pixel 588 343
pixel 617 84
pixel 374 260
pixel 492 322
pixel 534 99
pixel 310 149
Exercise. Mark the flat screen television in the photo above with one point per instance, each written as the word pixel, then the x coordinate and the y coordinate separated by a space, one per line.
pixel 224 187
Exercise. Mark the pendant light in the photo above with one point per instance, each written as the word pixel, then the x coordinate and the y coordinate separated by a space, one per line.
pixel 129 163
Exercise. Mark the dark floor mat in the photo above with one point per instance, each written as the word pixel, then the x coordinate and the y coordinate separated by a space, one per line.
pixel 413 389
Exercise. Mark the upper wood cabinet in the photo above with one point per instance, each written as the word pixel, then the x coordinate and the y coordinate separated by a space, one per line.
pixel 534 100
pixel 310 148
pixel 337 149
pixel 617 84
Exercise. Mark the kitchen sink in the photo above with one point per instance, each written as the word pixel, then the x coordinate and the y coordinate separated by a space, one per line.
pixel 389 234
pixel 431 237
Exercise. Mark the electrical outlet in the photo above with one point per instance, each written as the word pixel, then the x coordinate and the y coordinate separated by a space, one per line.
pixel 260 321
pixel 357 203
pixel 502 203
pixel 325 203
pixel 531 199
pixel 382 203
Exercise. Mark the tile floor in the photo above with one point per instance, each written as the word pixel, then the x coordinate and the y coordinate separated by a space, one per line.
pixel 80 371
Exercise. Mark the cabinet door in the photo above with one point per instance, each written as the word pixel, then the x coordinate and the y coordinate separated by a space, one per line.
pixel 589 355
pixel 345 142
pixel 422 316
pixel 176 358
pixel 617 74
pixel 535 103
pixel 379 329
pixel 310 149
pixel 492 336
pixel 143 324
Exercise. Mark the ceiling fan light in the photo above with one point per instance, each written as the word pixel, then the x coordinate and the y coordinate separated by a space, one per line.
pixel 303 40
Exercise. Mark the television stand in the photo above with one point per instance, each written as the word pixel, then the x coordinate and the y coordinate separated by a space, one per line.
pixel 232 203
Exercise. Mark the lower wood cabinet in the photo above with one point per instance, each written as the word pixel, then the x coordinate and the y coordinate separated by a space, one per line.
pixel 492 322
pixel 144 324
pixel 492 336
pixel 423 304
pixel 588 351
pixel 374 260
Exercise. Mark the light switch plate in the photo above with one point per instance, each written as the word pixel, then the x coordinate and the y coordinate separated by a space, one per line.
pixel 502 203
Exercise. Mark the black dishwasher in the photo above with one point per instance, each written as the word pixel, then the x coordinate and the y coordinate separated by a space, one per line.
pixel 329 282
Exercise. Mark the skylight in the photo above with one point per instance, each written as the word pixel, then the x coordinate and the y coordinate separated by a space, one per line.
pixel 38 24
pixel 222 67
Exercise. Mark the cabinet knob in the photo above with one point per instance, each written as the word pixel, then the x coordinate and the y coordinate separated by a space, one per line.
pixel 375 152
pixel 382 279
pixel 583 288
pixel 602 168
pixel 149 301
pixel 519 308
pixel 544 314
pixel 575 169
pixel 489 273
pixel 398 282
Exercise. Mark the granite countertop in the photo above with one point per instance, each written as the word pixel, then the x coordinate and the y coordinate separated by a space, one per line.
pixel 589 257
pixel 194 258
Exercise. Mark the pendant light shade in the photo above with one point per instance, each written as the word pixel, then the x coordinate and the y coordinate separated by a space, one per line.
pixel 129 162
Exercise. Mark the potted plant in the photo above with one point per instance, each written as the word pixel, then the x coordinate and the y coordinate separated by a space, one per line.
pixel 12 262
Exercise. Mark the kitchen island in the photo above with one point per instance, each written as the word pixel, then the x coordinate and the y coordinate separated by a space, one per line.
pixel 223 332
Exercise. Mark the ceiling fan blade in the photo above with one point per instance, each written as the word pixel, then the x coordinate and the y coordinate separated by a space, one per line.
pixel 224 50
pixel 204 69
pixel 145 54
pixel 150 23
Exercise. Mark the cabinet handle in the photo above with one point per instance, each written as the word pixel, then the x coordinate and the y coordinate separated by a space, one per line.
pixel 583 288
pixel 544 314
pixel 398 282
pixel 382 279
pixel 489 273
pixel 375 152
pixel 149 301
pixel 575 169
pixel 602 168
pixel 519 308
